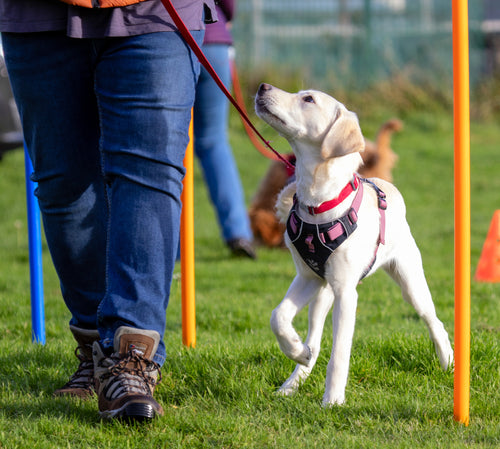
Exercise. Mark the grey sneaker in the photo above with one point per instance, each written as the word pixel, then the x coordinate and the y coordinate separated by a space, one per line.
pixel 125 380
pixel 81 383
pixel 242 248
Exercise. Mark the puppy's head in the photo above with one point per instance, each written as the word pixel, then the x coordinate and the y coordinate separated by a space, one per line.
pixel 311 118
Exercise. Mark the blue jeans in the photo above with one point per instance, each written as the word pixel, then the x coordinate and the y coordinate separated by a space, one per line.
pixel 106 124
pixel 212 148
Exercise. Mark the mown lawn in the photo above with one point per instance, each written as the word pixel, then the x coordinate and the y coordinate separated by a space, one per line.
pixel 220 394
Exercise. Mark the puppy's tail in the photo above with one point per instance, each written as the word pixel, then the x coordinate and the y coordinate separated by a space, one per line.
pixel 284 202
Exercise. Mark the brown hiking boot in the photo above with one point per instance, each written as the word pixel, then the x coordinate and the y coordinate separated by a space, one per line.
pixel 81 383
pixel 126 379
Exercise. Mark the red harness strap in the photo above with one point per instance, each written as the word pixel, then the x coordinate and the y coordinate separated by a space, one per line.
pixel 344 193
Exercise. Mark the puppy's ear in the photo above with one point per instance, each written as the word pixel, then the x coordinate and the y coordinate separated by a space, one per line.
pixel 344 136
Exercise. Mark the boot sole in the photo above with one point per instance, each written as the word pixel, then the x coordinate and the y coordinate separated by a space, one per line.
pixel 135 411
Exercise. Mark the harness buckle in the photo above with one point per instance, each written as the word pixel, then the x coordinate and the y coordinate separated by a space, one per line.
pixel 332 233
pixel 382 202
pixel 353 216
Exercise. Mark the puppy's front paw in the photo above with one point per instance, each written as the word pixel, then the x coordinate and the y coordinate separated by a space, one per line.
pixel 303 357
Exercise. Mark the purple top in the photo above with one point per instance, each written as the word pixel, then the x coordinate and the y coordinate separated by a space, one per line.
pixel 146 17
pixel 218 32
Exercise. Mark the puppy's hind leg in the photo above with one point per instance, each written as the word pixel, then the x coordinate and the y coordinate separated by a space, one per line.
pixel 318 310
pixel 406 269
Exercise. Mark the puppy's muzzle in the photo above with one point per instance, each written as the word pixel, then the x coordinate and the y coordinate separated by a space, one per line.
pixel 262 99
pixel 264 102
pixel 263 88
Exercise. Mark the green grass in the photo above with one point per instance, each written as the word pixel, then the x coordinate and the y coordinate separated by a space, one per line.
pixel 221 393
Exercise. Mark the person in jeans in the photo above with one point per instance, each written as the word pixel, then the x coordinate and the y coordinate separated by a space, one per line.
pixel 105 98
pixel 211 143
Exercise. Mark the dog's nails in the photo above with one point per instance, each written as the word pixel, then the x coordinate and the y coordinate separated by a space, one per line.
pixel 306 356
pixel 309 354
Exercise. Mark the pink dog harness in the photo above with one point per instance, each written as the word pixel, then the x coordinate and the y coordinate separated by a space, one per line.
pixel 316 242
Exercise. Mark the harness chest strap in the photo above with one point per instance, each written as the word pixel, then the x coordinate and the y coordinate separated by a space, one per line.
pixel 316 242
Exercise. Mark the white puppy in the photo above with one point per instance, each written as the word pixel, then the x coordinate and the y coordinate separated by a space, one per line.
pixel 327 141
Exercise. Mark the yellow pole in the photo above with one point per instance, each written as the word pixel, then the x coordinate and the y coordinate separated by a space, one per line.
pixel 187 249
pixel 462 210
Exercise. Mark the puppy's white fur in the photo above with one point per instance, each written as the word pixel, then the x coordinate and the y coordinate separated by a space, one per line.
pixel 327 141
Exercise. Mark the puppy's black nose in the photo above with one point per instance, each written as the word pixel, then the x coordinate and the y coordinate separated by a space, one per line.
pixel 264 87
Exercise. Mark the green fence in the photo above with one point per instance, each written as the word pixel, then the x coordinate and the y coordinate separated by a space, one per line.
pixel 359 42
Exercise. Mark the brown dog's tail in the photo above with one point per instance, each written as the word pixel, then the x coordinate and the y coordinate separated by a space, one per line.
pixel 384 135
pixel 378 157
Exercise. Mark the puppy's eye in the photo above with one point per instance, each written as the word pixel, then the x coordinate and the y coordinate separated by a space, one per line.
pixel 308 99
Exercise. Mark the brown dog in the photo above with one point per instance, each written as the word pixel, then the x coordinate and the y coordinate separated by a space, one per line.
pixel 378 162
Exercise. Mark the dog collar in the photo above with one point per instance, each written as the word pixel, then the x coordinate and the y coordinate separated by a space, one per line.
pixel 344 193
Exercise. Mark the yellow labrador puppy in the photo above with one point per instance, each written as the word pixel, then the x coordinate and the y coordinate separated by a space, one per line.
pixel 340 228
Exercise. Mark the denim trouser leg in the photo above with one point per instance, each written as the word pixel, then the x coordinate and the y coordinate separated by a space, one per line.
pixel 58 110
pixel 106 125
pixel 213 150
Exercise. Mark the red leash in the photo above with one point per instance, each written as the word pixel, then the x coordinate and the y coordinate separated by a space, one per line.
pixel 239 98
pixel 204 61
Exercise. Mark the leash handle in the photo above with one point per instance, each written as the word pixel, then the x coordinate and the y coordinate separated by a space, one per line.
pixel 204 61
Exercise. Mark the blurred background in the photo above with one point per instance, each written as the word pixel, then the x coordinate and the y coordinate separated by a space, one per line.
pixel 388 48
pixel 359 45
pixel 360 42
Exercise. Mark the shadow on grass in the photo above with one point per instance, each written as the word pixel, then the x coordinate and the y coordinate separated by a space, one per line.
pixel 21 407
pixel 28 379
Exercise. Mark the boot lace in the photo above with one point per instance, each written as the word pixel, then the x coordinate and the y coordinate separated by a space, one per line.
pixel 83 377
pixel 132 374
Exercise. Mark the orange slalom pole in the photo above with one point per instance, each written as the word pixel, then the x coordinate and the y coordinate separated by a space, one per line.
pixel 187 249
pixel 462 209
